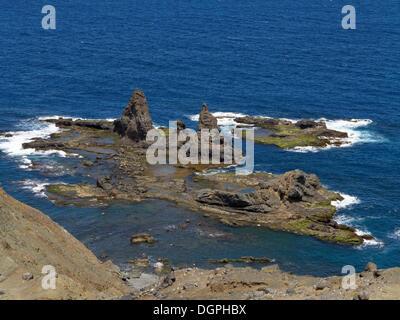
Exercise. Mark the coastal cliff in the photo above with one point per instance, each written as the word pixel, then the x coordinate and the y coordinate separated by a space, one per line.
pixel 30 240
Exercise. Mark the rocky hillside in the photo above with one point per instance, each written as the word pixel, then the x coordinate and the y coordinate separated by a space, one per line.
pixel 30 240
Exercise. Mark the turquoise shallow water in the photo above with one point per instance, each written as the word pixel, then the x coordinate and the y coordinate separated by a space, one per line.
pixel 278 59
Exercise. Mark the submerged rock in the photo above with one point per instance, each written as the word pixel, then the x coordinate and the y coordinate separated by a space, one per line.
pixel 142 238
pixel 135 121
pixel 243 260
pixel 140 262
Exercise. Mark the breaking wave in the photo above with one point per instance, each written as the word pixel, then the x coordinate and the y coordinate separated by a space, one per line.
pixel 347 202
pixel 11 143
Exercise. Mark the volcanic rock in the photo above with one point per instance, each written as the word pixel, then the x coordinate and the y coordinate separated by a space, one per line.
pixel 142 238
pixel 135 121
pixel 305 124
pixel 207 120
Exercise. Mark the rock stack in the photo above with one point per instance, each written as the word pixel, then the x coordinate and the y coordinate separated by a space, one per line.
pixel 207 120
pixel 135 121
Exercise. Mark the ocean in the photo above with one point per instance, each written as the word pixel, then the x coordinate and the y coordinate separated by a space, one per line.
pixel 286 59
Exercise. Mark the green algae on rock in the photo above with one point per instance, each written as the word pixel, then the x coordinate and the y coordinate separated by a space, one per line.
pixel 287 134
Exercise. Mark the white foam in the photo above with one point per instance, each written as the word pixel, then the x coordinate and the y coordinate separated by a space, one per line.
pixel 350 127
pixel 35 186
pixel 349 201
pixel 346 202
pixel 218 114
pixel 12 145
pixel 158 265
pixel 374 242
pixel 395 234
pixel 307 149
pixel 55 117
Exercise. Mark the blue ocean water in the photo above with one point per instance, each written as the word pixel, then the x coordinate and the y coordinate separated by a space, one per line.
pixel 288 59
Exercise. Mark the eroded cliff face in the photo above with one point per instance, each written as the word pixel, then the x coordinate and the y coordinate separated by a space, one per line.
pixel 30 240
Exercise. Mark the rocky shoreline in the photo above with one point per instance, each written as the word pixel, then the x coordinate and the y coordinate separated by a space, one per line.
pixel 112 158
pixel 270 283
pixel 115 157
pixel 31 240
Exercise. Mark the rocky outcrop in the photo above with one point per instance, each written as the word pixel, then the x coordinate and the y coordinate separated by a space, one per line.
pixel 293 186
pixel 43 144
pixel 296 185
pixel 306 124
pixel 94 124
pixel 294 201
pixel 30 240
pixel 135 121
pixel 286 134
pixel 207 120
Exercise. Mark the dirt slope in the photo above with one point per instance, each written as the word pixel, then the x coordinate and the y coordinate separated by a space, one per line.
pixel 30 240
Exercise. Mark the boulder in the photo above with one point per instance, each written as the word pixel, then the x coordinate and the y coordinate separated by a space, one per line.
pixel 43 144
pixel 371 267
pixel 294 185
pixel 135 121
pixel 361 296
pixel 306 124
pixel 207 120
pixel 168 280
pixel 224 198
pixel 321 285
pixel 27 276
pixel 258 121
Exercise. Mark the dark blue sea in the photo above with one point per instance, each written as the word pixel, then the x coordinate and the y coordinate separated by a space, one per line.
pixel 286 59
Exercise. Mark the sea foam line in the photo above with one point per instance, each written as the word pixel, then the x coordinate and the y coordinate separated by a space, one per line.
pixel 55 117
pixel 12 145
pixel 349 201
pixel 35 186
